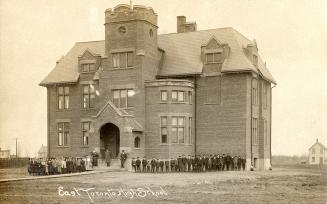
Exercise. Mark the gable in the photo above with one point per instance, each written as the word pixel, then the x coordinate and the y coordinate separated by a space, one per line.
pixel 212 44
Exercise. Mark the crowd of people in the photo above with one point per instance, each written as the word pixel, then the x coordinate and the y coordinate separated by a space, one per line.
pixel 52 166
pixel 198 163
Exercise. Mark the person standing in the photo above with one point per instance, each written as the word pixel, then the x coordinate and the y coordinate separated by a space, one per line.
pixel 224 162
pixel 153 165
pixel 180 163
pixel 108 157
pixel 144 163
pixel 123 157
pixel 138 164
pixel 134 164
pixel 228 161
pixel 172 165
pixel 167 165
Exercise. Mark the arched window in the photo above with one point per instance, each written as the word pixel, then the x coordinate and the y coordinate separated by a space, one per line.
pixel 137 142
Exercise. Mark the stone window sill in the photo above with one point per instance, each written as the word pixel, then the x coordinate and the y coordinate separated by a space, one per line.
pixel 62 146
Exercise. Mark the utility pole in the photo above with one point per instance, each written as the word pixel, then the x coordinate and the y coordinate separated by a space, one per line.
pixel 16 148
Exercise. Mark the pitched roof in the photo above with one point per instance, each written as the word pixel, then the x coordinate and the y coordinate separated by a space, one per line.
pixel 66 69
pixel 43 149
pixel 182 55
pixel 318 143
pixel 182 52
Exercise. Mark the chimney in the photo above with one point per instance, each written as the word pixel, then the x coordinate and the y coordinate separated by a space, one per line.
pixel 183 26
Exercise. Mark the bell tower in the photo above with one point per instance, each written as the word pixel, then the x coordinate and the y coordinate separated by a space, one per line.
pixel 130 27
pixel 132 57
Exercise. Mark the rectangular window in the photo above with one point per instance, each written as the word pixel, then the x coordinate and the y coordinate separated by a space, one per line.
pixel 63 98
pixel 123 98
pixel 190 130
pixel 88 96
pixel 254 92
pixel 213 57
pixel 180 96
pixel 177 96
pixel 163 96
pixel 89 67
pixel 265 131
pixel 164 132
pixel 264 94
pixel 255 139
pixel 63 134
pixel 122 60
pixel 115 60
pixel 85 133
pixel 178 128
pixel 130 59
pixel 190 97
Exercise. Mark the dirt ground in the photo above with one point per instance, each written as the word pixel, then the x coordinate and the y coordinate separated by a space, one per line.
pixel 285 184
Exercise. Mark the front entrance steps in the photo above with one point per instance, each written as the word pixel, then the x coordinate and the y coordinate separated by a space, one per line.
pixel 114 165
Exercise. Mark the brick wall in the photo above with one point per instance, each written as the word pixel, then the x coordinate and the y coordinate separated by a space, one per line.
pixel 221 126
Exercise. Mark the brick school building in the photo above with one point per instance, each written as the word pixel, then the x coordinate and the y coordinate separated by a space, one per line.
pixel 190 92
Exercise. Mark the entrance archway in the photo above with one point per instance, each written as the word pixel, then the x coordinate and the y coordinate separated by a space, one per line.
pixel 110 139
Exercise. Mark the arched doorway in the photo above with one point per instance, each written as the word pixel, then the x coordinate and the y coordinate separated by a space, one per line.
pixel 110 138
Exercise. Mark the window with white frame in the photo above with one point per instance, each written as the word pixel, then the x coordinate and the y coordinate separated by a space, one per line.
pixel 123 98
pixel 178 129
pixel 63 97
pixel 88 96
pixel 265 131
pixel 213 57
pixel 122 60
pixel 85 132
pixel 190 130
pixel 63 133
pixel 163 96
pixel 88 67
pixel 255 92
pixel 163 129
pixel 264 94
pixel 255 139
pixel 177 96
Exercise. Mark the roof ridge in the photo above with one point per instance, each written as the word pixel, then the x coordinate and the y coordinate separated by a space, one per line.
pixel 90 41
pixel 198 31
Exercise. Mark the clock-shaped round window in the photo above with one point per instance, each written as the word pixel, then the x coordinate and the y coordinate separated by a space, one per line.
pixel 122 29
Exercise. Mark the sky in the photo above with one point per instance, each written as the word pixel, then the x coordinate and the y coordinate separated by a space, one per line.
pixel 291 37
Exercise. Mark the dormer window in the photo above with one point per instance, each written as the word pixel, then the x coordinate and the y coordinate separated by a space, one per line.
pixel 88 67
pixel 214 57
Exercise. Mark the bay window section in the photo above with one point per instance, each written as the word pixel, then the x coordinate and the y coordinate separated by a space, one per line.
pixel 177 96
pixel 178 128
pixel 164 132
